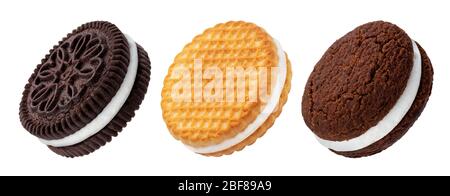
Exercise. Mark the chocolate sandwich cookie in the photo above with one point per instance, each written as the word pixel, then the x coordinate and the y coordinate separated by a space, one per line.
pixel 367 90
pixel 85 90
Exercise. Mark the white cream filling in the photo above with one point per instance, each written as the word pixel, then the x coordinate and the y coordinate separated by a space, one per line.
pixel 111 109
pixel 262 117
pixel 391 120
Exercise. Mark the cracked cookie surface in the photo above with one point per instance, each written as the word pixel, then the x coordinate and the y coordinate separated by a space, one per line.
pixel 357 81
pixel 423 94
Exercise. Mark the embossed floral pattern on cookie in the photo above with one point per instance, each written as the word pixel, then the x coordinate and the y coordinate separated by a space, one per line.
pixel 63 77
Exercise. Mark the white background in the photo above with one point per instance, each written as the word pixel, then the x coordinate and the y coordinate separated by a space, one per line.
pixel 305 29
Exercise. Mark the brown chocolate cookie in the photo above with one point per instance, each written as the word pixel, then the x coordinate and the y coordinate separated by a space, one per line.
pixel 358 81
pixel 85 90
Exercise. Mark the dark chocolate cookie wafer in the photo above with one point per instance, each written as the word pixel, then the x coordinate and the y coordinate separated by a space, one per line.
pixel 86 89
pixel 367 90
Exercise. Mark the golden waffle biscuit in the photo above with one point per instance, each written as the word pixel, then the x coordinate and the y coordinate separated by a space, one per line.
pixel 212 116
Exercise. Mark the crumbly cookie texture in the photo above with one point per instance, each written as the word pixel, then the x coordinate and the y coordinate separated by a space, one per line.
pixel 357 81
pixel 426 83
